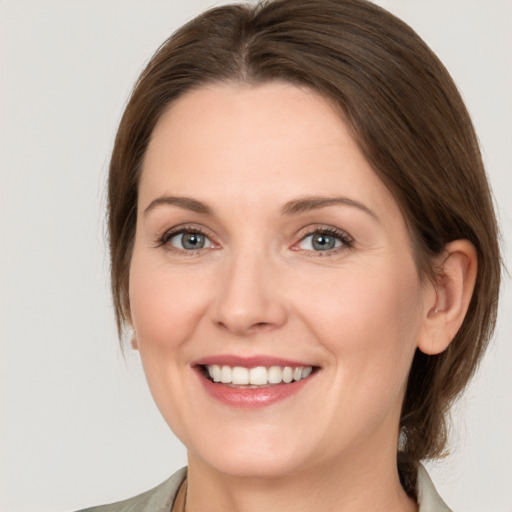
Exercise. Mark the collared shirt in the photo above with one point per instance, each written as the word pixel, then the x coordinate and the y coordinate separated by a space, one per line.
pixel 163 497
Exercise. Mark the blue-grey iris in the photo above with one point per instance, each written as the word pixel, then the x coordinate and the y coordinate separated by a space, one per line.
pixel 193 240
pixel 322 242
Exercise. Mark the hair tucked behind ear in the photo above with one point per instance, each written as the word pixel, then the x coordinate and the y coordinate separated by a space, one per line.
pixel 409 120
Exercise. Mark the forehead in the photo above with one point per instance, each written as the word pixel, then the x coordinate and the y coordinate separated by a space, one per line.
pixel 233 142
pixel 231 117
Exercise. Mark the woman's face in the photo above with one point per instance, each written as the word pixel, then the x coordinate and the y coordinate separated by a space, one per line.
pixel 265 241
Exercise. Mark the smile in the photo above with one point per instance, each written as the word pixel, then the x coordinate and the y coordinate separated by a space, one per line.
pixel 254 382
pixel 258 376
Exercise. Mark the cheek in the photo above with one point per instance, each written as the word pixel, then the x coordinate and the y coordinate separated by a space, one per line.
pixel 165 305
pixel 369 320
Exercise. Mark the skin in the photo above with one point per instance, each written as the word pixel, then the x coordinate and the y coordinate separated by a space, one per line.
pixel 259 287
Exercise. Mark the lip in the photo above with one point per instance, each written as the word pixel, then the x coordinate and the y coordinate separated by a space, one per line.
pixel 246 397
pixel 248 362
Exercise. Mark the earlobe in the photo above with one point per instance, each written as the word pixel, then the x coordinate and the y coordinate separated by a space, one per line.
pixel 134 343
pixel 446 307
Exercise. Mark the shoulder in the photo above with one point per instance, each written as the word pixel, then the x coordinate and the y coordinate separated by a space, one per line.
pixel 159 499
pixel 428 497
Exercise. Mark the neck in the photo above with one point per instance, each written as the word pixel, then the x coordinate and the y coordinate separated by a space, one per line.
pixel 336 486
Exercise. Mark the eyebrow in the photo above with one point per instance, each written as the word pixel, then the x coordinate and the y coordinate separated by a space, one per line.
pixel 182 202
pixel 294 207
pixel 306 204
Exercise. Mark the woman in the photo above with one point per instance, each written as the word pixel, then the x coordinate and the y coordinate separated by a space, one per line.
pixel 304 251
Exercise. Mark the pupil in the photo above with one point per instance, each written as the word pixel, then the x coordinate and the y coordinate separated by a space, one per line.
pixel 193 241
pixel 323 242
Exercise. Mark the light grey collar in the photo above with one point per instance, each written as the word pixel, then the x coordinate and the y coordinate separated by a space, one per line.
pixel 428 498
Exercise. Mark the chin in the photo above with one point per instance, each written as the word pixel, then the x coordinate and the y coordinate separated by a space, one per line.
pixel 245 459
pixel 257 466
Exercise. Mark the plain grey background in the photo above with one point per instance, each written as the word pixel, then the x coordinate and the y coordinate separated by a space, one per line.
pixel 78 426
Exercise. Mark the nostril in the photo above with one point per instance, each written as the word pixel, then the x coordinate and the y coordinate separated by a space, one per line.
pixel 262 325
pixel 244 327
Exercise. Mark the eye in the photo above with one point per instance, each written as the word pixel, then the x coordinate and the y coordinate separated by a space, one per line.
pixel 323 240
pixel 188 240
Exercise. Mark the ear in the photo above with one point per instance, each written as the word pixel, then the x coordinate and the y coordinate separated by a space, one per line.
pixel 134 343
pixel 448 299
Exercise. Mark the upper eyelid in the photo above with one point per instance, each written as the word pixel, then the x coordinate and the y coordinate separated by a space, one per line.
pixel 186 228
pixel 310 230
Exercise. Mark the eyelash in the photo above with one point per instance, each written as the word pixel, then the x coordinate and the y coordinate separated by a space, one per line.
pixel 346 241
pixel 163 241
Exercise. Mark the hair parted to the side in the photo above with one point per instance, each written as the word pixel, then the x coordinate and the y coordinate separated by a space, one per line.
pixel 409 120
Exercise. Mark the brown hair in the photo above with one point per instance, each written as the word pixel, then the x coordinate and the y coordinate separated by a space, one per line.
pixel 410 122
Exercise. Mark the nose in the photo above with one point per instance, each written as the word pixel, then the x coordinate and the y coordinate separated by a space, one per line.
pixel 249 298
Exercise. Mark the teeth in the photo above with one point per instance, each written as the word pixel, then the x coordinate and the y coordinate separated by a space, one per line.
pixel 287 374
pixel 257 376
pixel 239 375
pixel 306 371
pixel 225 375
pixel 214 372
pixel 275 375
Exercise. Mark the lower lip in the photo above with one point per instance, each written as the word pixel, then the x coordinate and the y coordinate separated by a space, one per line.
pixel 251 398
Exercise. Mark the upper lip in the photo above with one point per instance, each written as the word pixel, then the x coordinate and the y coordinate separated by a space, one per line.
pixel 247 362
